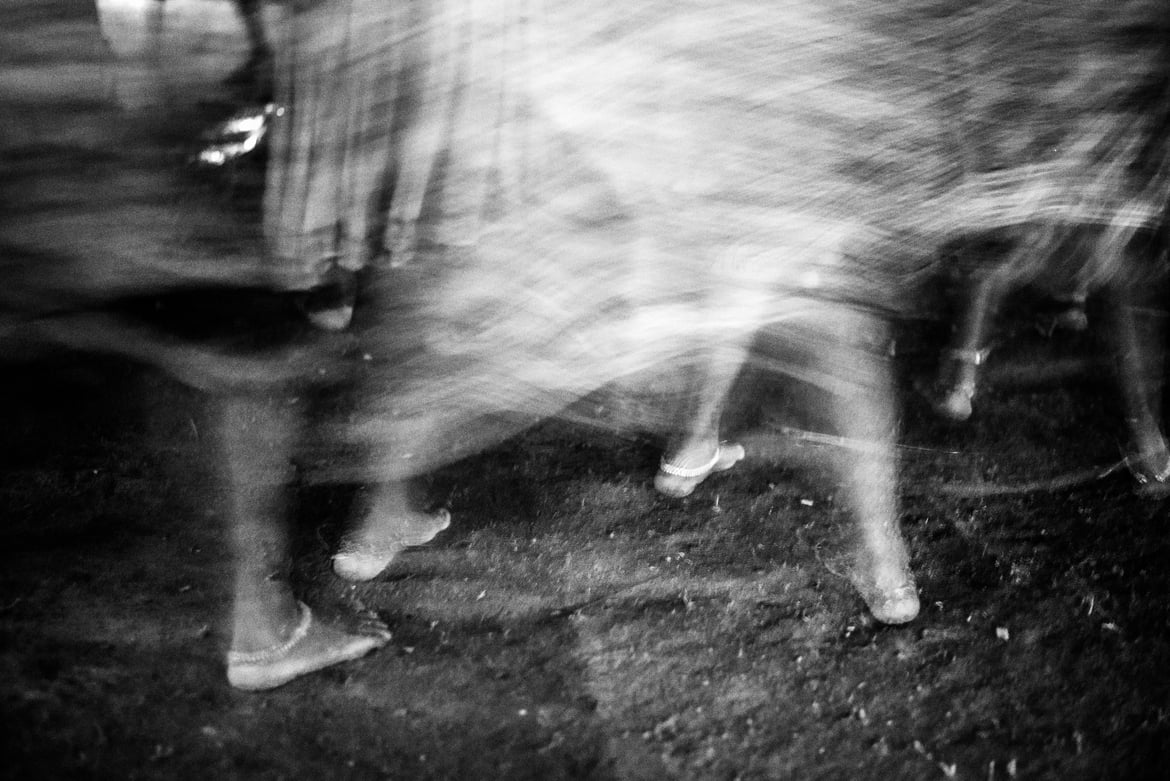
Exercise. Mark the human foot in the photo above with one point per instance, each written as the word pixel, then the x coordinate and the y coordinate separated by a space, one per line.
pixel 680 472
pixel 330 305
pixel 896 604
pixel 365 555
pixel 888 590
pixel 313 645
pixel 1151 469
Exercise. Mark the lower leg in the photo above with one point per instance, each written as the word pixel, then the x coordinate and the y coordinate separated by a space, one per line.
pixel 863 413
pixel 1137 352
pixel 275 638
pixel 695 451
pixel 387 525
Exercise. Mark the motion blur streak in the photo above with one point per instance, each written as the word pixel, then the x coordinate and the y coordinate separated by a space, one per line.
pixel 92 203
pixel 561 195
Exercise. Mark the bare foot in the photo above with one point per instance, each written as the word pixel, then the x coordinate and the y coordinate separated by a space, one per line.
pixel 894 605
pixel 1151 469
pixel 888 591
pixel 366 554
pixel 312 646
pixel 680 472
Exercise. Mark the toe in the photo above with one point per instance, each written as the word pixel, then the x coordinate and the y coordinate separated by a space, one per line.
pixel 730 454
pixel 896 606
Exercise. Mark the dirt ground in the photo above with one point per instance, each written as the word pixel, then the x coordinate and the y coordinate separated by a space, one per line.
pixel 574 624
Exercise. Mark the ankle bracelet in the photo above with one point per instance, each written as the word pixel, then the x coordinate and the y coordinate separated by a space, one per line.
pixel 272 653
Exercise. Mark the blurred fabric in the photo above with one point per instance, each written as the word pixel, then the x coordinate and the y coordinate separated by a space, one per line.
pixel 544 197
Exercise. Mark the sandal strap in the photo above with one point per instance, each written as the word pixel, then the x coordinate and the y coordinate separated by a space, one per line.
pixel 693 471
pixel 973 357
pixel 272 653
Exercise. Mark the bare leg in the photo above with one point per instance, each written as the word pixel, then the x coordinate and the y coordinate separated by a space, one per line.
pixel 862 410
pixel 275 638
pixel 958 376
pixel 1138 354
pixel 256 72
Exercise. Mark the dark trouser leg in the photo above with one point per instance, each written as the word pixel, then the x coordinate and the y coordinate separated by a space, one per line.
pixel 251 12
pixel 256 72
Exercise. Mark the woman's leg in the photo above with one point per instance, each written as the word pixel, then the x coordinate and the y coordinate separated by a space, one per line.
pixel 695 451
pixel 275 638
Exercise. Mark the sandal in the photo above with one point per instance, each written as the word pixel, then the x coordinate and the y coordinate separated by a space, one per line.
pixel 312 646
pixel 680 481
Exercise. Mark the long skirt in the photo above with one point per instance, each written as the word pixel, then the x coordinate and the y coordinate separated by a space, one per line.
pixel 370 94
pixel 563 195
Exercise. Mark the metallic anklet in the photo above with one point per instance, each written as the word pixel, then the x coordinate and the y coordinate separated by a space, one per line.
pixel 973 357
pixel 694 471
pixel 275 652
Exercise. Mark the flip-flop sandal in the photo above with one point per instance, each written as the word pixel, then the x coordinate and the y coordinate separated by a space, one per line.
pixel 680 481
pixel 312 646
pixel 358 561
